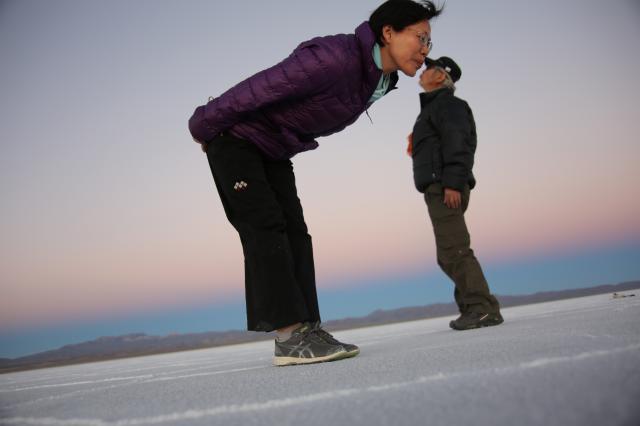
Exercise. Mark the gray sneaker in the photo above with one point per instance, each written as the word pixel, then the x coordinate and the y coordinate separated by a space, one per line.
pixel 353 350
pixel 306 347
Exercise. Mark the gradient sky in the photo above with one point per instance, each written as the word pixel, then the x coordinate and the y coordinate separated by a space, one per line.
pixel 110 222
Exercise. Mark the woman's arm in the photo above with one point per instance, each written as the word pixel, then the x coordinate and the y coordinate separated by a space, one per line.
pixel 309 69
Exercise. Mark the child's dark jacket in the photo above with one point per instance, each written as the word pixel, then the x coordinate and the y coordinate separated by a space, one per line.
pixel 444 142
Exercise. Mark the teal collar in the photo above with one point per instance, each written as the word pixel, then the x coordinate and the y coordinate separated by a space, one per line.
pixel 383 84
pixel 377 57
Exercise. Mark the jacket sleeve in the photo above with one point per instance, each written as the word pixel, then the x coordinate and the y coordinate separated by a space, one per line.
pixel 310 68
pixel 457 133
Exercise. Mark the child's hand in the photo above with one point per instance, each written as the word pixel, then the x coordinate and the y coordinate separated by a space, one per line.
pixel 452 198
pixel 410 144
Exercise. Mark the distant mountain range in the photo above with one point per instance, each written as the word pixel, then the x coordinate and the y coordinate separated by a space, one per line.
pixel 138 344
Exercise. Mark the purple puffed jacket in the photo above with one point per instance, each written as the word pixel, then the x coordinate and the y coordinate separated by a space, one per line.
pixel 320 89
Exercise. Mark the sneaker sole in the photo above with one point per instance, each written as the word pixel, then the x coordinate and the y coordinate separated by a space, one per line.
pixel 281 361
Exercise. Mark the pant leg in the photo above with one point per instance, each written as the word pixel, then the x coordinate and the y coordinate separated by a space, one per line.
pixel 280 175
pixel 455 256
pixel 273 296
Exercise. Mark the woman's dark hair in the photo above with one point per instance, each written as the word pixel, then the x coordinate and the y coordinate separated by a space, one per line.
pixel 400 14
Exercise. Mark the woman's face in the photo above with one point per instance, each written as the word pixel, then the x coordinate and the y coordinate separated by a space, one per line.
pixel 407 48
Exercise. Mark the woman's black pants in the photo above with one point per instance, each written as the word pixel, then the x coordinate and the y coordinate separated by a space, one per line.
pixel 260 200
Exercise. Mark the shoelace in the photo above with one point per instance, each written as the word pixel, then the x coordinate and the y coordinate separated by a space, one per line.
pixel 311 334
pixel 325 335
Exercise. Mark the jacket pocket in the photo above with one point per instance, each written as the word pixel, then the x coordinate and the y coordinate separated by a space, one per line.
pixel 422 175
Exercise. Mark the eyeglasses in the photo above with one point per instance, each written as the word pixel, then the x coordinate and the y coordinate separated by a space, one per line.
pixel 425 39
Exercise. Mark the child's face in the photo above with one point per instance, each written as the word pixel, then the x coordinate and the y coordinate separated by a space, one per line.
pixel 431 78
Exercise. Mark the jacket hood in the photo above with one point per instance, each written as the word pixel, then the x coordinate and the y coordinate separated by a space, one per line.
pixel 366 39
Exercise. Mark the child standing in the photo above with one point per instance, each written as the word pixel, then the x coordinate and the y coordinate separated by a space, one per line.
pixel 442 147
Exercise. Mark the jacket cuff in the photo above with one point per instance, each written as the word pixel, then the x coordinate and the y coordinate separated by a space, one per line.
pixel 454 182
pixel 198 126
